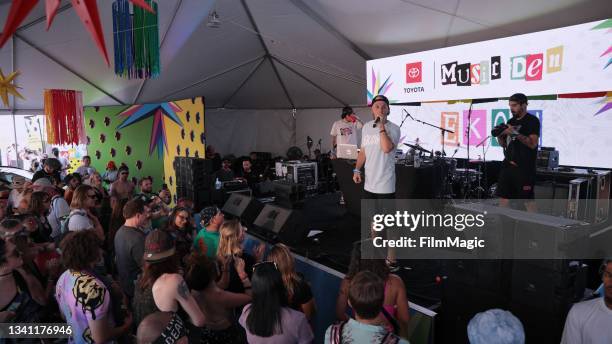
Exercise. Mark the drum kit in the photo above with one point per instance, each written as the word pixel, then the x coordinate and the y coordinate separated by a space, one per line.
pixel 452 182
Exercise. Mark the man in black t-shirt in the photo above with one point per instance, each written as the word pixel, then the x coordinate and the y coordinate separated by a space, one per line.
pixel 520 142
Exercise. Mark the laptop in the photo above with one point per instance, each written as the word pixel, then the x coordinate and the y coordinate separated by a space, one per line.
pixel 345 151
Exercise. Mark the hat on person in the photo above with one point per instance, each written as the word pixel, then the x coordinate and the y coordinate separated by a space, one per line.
pixel 208 213
pixel 159 246
pixel 380 97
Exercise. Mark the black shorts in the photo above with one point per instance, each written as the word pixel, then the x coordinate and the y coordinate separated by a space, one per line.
pixel 515 183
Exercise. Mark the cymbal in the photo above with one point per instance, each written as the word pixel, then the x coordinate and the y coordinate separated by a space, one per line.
pixel 415 147
pixel 476 161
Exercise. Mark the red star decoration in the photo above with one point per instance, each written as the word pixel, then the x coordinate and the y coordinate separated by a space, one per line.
pixel 86 9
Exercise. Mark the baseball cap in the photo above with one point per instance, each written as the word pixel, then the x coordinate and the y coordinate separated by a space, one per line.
pixel 159 246
pixel 380 97
pixel 208 213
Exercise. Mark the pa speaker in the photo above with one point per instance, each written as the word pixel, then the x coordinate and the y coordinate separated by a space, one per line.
pixel 284 224
pixel 244 207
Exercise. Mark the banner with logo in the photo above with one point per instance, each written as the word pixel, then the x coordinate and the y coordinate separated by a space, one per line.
pixel 573 59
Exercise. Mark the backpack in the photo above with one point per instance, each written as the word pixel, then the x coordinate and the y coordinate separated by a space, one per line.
pixel 335 335
pixel 64 220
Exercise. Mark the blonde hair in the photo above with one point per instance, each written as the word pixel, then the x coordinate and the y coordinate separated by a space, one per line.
pixel 229 243
pixel 281 255
pixel 79 197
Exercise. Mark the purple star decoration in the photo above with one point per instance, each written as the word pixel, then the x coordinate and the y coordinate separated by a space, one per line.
pixel 137 113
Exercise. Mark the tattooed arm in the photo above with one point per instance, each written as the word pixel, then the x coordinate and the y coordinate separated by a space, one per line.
pixel 189 304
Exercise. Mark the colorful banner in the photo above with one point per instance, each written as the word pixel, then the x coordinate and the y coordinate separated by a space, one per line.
pixel 572 59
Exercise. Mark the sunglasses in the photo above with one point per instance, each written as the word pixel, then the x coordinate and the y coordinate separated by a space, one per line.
pixel 265 263
pixel 94 196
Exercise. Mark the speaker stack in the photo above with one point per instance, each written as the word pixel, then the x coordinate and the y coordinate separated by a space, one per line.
pixel 243 207
pixel 194 180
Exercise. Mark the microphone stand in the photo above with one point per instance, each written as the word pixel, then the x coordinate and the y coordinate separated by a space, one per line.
pixel 442 130
pixel 467 183
pixel 484 166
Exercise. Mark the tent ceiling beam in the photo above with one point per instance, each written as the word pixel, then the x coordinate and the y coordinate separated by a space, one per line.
pixel 311 82
pixel 42 18
pixel 330 28
pixel 252 20
pixel 63 65
pixel 216 75
pixel 161 44
pixel 335 75
pixel 255 68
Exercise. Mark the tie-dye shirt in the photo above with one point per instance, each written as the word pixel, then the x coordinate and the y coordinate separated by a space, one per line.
pixel 82 298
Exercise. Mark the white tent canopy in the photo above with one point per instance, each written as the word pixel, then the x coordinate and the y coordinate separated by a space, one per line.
pixel 266 54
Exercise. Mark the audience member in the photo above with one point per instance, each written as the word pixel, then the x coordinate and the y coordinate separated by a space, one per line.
pixel 83 297
pixel 85 170
pixel 366 295
pixel 129 245
pixel 51 170
pixel 496 326
pixel 589 321
pixel 395 306
pixel 65 165
pixel 111 173
pixel 18 185
pixel 116 221
pixel 211 219
pixel 217 304
pixel 58 208
pixel 162 328
pixel 39 207
pixel 230 250
pixel 22 294
pixel 72 181
pixel 122 187
pixel 268 318
pixel 299 293
pixel 81 216
pixel 161 287
pixel 179 226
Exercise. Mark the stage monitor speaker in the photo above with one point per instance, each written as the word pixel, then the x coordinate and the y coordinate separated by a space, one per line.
pixel 284 224
pixel 244 207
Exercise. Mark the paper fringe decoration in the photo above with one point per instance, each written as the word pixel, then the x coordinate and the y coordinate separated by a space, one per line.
pixel 136 41
pixel 64 114
pixel 86 9
pixel 7 87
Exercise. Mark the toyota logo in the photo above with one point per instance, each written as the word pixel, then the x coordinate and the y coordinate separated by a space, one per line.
pixel 413 72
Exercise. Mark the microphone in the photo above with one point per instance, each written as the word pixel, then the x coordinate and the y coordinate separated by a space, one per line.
pixel 376 122
pixel 455 152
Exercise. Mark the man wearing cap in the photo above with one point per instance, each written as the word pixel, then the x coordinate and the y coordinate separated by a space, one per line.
pixel 208 237
pixel 379 140
pixel 58 207
pixel 344 130
pixel 50 170
pixel 520 142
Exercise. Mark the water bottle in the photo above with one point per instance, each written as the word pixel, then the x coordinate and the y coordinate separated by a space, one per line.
pixel 218 184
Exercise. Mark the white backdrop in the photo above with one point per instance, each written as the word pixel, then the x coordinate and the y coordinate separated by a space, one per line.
pixel 569 125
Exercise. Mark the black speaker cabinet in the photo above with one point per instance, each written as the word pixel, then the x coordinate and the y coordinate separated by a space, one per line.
pixel 244 207
pixel 285 224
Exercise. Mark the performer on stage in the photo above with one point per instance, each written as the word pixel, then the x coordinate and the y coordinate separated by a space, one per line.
pixel 344 131
pixel 520 142
pixel 379 138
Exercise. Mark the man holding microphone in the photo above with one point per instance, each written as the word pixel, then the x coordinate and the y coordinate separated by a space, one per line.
pixel 379 138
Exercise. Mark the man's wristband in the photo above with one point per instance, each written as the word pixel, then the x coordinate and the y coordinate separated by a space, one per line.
pixel 356 170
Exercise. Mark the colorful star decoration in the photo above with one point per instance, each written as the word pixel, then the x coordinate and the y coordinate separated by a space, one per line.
pixel 138 113
pixel 7 87
pixel 606 24
pixel 607 101
pixel 86 9
pixel 377 88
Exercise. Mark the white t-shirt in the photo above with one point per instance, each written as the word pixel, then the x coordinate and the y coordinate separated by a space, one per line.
pixel 59 208
pixel 79 221
pixel 85 170
pixel 379 166
pixel 588 322
pixel 345 132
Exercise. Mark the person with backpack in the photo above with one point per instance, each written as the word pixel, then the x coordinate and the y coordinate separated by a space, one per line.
pixel 366 296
